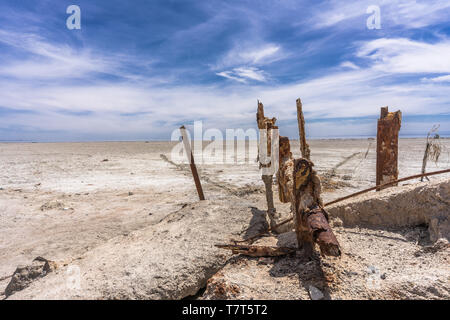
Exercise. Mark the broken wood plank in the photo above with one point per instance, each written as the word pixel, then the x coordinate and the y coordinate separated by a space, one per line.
pixel 387 146
pixel 256 251
pixel 304 147
pixel 190 157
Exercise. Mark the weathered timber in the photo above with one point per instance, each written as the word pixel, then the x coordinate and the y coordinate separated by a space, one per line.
pixel 264 122
pixel 284 174
pixel 190 156
pixel 267 125
pixel 314 228
pixel 310 219
pixel 387 146
pixel 304 147
pixel 256 251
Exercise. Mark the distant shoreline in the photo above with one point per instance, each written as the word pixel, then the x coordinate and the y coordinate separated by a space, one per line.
pixel 152 141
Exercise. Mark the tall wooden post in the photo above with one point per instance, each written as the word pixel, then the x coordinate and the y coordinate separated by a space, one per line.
pixel 387 146
pixel 190 156
pixel 304 147
pixel 267 125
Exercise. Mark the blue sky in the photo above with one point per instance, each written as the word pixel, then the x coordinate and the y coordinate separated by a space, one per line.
pixel 138 69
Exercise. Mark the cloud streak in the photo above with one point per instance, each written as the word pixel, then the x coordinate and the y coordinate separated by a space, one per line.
pixel 406 56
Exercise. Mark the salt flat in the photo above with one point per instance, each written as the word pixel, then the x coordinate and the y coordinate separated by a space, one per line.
pixel 63 200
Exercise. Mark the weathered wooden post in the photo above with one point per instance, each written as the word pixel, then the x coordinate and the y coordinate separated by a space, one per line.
pixel 387 146
pixel 299 184
pixel 190 157
pixel 304 147
pixel 310 218
pixel 267 125
pixel 284 175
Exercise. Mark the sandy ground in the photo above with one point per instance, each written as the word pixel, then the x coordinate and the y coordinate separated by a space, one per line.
pixel 63 200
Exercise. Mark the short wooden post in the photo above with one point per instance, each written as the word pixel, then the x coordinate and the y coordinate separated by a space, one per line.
pixel 190 157
pixel 387 146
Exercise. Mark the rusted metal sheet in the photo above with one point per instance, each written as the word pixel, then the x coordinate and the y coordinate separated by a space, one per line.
pixel 387 146
pixel 190 157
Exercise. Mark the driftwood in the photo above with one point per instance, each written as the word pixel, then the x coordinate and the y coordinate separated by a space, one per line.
pixel 256 251
pixel 387 146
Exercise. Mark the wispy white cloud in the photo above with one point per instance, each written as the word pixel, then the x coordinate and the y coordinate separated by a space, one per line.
pixel 158 111
pixel 229 75
pixel 251 54
pixel 47 60
pixel 155 111
pixel 403 55
pixel 418 14
pixel 406 13
pixel 243 74
pixel 445 78
pixel 246 62
pixel 349 65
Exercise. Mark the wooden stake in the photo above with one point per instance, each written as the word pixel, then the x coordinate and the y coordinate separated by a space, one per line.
pixel 304 147
pixel 267 124
pixel 190 156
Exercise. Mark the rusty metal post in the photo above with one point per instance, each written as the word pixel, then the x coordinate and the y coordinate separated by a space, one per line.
pixel 190 156
pixel 387 146
pixel 304 147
